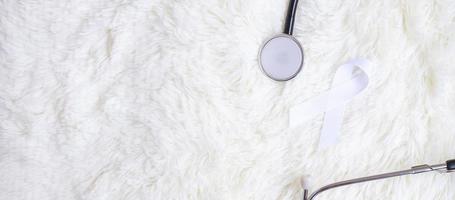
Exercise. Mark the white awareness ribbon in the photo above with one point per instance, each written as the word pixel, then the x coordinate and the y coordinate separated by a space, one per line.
pixel 350 80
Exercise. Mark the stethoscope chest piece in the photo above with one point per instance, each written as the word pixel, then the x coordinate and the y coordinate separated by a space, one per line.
pixel 281 57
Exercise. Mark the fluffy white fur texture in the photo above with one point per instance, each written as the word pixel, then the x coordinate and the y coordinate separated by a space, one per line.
pixel 164 99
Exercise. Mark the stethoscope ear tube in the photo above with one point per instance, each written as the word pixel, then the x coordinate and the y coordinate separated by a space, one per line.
pixel 447 167
pixel 290 18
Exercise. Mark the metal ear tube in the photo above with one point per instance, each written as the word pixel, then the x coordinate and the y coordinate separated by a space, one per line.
pixel 448 167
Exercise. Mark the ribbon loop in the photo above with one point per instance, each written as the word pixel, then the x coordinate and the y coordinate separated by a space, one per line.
pixel 350 80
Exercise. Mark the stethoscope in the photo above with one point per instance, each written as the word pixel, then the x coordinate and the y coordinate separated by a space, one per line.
pixel 281 59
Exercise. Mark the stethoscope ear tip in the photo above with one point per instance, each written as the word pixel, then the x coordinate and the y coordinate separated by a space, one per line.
pixel 450 165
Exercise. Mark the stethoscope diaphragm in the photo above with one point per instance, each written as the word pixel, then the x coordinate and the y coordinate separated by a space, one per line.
pixel 281 57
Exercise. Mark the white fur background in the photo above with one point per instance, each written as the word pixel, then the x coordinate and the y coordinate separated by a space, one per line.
pixel 164 99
